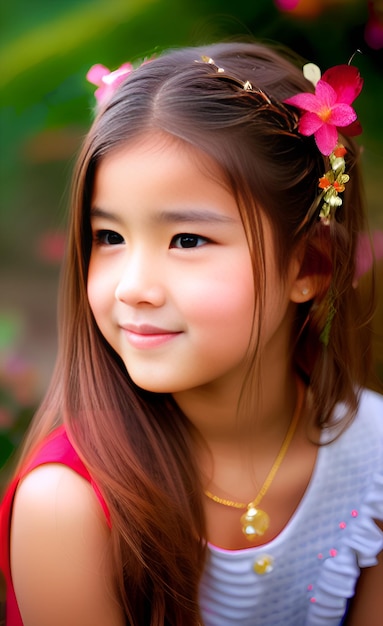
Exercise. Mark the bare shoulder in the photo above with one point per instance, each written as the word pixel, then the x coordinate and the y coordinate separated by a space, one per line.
pixel 60 552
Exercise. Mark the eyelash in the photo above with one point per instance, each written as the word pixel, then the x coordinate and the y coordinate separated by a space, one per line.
pixel 103 238
pixel 188 238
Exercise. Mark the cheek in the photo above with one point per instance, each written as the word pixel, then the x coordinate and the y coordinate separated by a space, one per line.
pixel 223 301
pixel 100 292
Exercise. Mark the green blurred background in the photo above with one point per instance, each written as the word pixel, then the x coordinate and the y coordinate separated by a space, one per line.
pixel 46 49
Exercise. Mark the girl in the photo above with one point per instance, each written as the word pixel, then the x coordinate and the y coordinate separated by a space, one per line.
pixel 206 452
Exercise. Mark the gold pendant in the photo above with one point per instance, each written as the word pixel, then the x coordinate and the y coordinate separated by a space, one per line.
pixel 254 522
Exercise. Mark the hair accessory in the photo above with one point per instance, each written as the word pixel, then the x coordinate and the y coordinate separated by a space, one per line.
pixel 254 521
pixel 107 81
pixel 312 73
pixel 333 183
pixel 210 61
pixel 329 109
pixel 245 85
pixel 326 112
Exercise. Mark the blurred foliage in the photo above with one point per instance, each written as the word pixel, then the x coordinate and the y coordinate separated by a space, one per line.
pixel 46 106
pixel 47 48
pixel 18 387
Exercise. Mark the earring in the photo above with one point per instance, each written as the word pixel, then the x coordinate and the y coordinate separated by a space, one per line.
pixel 305 291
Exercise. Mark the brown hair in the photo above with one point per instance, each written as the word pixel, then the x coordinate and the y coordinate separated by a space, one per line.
pixel 138 445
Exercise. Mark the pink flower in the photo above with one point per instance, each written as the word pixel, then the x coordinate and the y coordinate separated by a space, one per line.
pixel 329 108
pixel 107 81
pixel 51 247
pixel 368 249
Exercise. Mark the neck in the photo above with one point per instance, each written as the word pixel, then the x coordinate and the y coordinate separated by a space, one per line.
pixel 227 420
pixel 232 417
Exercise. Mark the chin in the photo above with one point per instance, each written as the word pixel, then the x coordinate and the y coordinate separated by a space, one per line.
pixel 151 385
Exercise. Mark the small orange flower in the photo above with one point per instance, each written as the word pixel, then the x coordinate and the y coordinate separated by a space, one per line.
pixel 324 183
pixel 338 186
pixel 340 151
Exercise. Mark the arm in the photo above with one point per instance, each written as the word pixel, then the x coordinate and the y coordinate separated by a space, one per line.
pixel 367 604
pixel 60 552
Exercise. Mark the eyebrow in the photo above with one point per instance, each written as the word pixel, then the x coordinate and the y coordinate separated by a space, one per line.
pixel 193 215
pixel 96 212
pixel 172 216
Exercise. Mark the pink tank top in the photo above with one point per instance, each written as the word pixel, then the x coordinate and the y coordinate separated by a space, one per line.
pixel 56 448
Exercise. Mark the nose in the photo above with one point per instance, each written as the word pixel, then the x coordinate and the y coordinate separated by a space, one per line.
pixel 141 281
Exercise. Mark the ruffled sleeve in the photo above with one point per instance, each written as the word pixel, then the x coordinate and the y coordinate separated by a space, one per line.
pixel 362 541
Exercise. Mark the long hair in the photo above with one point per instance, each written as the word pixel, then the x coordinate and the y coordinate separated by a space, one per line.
pixel 138 446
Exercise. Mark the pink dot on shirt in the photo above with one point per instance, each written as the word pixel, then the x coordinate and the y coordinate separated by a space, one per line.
pixel 342 525
pixel 354 513
pixel 333 552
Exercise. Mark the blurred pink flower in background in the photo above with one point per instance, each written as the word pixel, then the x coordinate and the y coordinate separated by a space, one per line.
pixel 51 247
pixel 306 9
pixel 373 32
pixel 6 418
pixel 368 248
pixel 20 379
pixel 311 9
pixel 286 5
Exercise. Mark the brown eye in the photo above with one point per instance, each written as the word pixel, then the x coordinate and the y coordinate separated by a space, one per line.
pixel 108 238
pixel 186 240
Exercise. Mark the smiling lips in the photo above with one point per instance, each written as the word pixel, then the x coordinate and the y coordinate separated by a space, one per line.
pixel 147 336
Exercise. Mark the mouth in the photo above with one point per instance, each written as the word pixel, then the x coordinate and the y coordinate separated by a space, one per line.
pixel 145 336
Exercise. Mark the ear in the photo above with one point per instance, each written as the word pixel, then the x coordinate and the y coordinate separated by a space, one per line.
pixel 311 271
pixel 304 288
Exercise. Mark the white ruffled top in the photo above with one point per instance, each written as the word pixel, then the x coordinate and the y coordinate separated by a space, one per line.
pixel 308 572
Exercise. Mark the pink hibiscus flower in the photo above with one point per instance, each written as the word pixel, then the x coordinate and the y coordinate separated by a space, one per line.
pixel 107 81
pixel 329 108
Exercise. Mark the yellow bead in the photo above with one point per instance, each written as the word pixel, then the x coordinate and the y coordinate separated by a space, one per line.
pixel 263 564
pixel 254 522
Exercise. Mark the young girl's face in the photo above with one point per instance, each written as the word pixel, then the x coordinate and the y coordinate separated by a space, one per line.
pixel 170 279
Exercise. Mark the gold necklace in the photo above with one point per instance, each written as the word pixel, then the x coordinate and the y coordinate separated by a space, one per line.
pixel 254 521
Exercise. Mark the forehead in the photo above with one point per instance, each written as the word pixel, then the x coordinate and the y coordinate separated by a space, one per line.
pixel 161 160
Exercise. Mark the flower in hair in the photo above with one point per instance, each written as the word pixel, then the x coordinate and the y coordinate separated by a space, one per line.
pixel 329 109
pixel 107 81
pixel 333 183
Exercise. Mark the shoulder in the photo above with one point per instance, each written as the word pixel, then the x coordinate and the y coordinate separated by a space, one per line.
pixel 348 520
pixel 360 446
pixel 60 551
pixel 57 448
pixel 369 417
pixel 55 488
pixel 368 599
pixel 371 403
pixel 367 423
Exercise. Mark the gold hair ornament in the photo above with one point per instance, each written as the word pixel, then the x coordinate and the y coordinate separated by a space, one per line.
pixel 323 114
pixel 290 117
pixel 246 86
